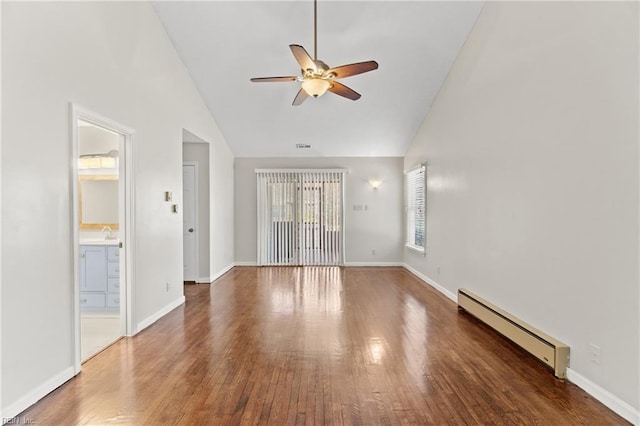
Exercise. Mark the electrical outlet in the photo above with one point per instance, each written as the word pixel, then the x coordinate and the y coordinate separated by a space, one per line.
pixel 168 286
pixel 594 354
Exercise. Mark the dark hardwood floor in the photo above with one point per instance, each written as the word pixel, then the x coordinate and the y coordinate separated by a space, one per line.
pixel 317 345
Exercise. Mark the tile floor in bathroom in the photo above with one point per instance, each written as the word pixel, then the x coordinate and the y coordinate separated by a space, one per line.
pixel 98 330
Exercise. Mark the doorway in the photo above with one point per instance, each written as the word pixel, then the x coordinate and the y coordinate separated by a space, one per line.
pixel 196 208
pixel 102 185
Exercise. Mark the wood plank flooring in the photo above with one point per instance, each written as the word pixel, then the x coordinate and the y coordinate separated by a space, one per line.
pixel 317 345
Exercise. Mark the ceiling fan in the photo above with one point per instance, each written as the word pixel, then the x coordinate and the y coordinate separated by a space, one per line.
pixel 316 76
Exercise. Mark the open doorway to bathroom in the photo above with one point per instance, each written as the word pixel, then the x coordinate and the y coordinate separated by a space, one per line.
pixel 99 207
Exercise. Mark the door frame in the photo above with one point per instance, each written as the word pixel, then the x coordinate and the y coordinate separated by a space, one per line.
pixel 127 230
pixel 196 233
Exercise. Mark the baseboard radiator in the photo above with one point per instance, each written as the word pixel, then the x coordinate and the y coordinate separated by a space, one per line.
pixel 551 352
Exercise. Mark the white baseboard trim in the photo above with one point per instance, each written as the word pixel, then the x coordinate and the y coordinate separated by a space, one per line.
pixel 209 280
pixel 162 312
pixel 36 395
pixel 222 272
pixel 246 264
pixel 431 282
pixel 612 402
pixel 373 264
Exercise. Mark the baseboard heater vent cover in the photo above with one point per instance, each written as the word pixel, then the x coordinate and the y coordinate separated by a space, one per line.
pixel 551 352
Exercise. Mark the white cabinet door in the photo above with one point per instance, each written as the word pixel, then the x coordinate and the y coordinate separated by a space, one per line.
pixel 93 268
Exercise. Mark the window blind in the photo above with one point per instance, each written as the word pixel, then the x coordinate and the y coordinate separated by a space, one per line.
pixel 416 208
pixel 300 217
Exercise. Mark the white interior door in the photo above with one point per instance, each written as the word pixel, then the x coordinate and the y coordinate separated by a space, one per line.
pixel 189 230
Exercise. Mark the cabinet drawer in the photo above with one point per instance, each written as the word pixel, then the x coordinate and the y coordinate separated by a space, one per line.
pixel 113 300
pixel 113 253
pixel 113 269
pixel 92 300
pixel 113 285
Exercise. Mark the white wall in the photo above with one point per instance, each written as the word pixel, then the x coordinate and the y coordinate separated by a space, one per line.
pixel 532 152
pixel 379 228
pixel 199 152
pixel 221 219
pixel 113 58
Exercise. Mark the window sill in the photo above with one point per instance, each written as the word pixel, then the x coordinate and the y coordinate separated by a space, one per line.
pixel 417 249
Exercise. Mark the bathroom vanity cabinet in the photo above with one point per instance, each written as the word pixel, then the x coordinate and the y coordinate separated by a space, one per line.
pixel 99 277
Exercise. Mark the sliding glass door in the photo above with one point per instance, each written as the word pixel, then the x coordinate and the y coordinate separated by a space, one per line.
pixel 300 217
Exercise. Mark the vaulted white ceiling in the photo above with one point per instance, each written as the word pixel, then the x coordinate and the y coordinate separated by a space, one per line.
pixel 224 44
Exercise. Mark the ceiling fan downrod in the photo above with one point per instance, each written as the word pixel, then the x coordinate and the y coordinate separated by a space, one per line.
pixel 315 30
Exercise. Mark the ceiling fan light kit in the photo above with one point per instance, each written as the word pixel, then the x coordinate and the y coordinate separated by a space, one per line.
pixel 317 77
pixel 315 86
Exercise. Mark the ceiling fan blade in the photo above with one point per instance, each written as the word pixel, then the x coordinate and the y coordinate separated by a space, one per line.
pixel 273 79
pixel 353 69
pixel 300 97
pixel 342 90
pixel 303 58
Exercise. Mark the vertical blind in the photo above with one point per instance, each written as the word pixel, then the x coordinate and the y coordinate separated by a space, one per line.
pixel 415 184
pixel 300 217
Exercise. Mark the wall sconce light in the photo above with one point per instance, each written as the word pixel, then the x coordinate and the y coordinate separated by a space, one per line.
pixel 375 183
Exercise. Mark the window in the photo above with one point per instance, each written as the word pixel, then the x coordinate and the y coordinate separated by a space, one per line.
pixel 416 194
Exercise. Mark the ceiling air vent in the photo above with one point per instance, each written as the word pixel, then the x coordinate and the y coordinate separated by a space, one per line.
pixel 303 146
